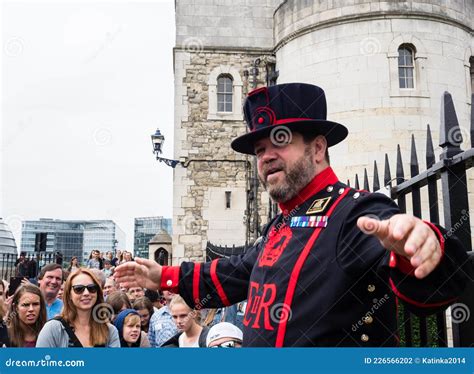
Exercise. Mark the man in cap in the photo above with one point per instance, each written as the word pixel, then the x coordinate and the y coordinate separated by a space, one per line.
pixel 224 335
pixel 331 265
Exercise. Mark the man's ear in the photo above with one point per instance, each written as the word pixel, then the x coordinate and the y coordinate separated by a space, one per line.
pixel 320 145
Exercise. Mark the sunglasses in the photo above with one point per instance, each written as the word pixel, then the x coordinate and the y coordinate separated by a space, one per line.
pixel 229 344
pixel 79 288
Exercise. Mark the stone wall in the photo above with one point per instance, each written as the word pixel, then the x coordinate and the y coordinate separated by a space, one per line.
pixel 225 23
pixel 298 16
pixel 199 212
pixel 353 65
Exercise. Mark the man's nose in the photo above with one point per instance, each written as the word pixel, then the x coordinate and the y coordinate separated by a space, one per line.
pixel 269 154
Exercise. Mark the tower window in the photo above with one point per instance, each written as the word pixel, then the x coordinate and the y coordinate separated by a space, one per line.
pixel 224 93
pixel 471 60
pixel 406 66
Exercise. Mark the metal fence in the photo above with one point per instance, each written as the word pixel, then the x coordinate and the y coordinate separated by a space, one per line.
pixel 9 265
pixel 216 251
pixel 450 173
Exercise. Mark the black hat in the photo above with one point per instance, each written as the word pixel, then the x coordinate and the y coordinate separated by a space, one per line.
pixel 298 106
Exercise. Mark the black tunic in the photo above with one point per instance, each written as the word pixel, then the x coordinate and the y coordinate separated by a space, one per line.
pixel 322 286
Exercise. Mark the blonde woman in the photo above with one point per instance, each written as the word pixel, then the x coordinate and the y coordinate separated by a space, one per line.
pixel 191 333
pixel 80 323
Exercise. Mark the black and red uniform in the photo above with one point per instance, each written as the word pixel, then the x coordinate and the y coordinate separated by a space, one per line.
pixel 322 286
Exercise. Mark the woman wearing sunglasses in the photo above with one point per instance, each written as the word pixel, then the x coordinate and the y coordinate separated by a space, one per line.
pixel 84 319
pixel 27 316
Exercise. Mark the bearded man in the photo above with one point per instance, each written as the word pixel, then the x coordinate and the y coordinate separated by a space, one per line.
pixel 330 267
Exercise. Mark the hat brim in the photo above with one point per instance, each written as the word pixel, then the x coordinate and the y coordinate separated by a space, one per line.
pixel 333 131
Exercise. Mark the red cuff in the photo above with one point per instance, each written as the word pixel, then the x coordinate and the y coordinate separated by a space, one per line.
pixel 439 235
pixel 417 303
pixel 401 263
pixel 170 278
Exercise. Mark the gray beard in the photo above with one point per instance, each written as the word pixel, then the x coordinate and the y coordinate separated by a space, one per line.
pixel 296 178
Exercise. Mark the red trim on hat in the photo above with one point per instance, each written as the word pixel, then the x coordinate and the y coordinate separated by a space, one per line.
pixel 320 181
pixel 259 114
pixel 417 303
pixel 170 273
pixel 196 279
pixel 290 120
pixel 217 283
pixel 296 272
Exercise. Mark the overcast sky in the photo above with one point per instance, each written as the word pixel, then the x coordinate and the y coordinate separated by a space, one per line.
pixel 84 85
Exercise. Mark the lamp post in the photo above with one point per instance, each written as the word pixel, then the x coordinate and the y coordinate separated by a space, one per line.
pixel 157 140
pixel 254 188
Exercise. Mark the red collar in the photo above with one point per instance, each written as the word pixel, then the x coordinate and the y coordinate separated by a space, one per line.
pixel 320 181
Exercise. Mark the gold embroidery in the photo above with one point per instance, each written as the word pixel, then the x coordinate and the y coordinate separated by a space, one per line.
pixel 319 205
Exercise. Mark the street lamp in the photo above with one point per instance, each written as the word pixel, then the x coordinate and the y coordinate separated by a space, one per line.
pixel 157 140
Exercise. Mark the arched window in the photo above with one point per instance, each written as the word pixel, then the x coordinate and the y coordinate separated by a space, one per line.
pixel 161 256
pixel 471 71
pixel 406 66
pixel 224 93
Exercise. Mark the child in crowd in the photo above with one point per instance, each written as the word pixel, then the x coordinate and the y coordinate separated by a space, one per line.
pixel 128 324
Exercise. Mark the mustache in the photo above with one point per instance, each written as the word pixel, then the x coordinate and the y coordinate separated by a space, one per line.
pixel 274 166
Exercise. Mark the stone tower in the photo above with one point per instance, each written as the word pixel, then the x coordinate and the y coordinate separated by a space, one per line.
pixel 217 50
pixel 383 64
pixel 351 48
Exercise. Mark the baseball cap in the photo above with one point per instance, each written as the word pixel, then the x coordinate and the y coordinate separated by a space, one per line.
pixel 223 330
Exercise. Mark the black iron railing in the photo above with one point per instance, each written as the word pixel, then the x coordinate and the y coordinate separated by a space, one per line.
pixel 216 251
pixel 451 171
pixel 9 266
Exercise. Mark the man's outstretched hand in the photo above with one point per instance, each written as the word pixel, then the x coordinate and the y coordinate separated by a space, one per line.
pixel 141 272
pixel 407 236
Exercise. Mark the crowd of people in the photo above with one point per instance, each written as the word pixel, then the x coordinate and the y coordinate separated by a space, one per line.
pixel 74 305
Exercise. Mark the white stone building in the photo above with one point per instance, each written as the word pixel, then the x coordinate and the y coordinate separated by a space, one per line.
pixel 383 64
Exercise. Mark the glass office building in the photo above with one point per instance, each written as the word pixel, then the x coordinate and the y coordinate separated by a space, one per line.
pixel 73 238
pixel 145 230
pixel 7 241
